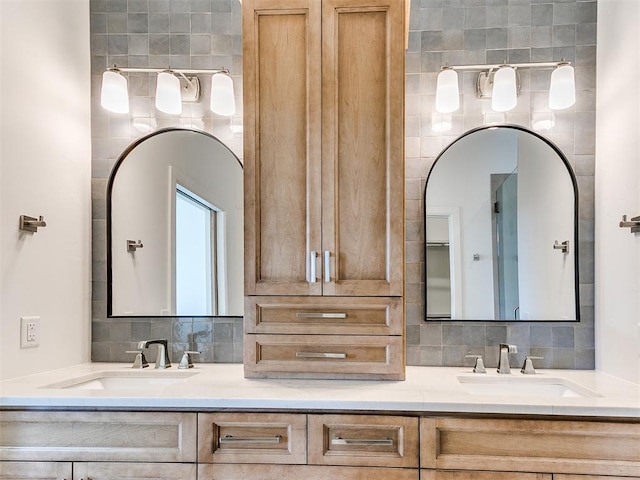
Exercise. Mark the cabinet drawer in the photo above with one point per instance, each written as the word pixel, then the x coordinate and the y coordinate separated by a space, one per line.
pixel 324 356
pixel 470 475
pixel 35 470
pixel 134 471
pixel 98 436
pixel 302 472
pixel 363 440
pixel 252 438
pixel 597 448
pixel 344 316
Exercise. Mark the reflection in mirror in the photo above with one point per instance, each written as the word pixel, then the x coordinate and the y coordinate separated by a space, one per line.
pixel 501 229
pixel 175 228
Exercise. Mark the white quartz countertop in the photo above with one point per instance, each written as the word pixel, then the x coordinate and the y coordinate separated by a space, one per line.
pixel 429 390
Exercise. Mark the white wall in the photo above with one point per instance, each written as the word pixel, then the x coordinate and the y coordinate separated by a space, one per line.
pixel 617 183
pixel 45 159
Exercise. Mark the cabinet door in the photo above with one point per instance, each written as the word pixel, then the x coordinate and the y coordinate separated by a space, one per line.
pixel 302 472
pixel 363 147
pixel 35 470
pixel 281 48
pixel 134 471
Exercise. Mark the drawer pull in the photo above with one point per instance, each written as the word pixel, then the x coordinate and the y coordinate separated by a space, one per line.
pixel 361 442
pixel 320 355
pixel 320 315
pixel 232 439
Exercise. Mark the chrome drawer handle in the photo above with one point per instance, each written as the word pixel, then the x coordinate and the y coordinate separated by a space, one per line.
pixel 327 266
pixel 312 267
pixel 361 442
pixel 320 315
pixel 320 355
pixel 232 439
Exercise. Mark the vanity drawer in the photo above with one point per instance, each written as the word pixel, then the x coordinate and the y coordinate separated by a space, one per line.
pixel 98 436
pixel 363 440
pixel 302 472
pixel 593 448
pixel 324 356
pixel 252 438
pixel 322 315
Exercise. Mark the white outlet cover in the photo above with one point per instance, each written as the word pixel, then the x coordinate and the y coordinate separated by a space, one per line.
pixel 29 332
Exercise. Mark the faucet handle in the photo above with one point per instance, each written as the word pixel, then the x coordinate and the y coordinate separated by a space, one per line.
pixel 478 367
pixel 185 361
pixel 140 361
pixel 527 366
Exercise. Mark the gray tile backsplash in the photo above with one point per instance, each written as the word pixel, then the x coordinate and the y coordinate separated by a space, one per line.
pixel 207 34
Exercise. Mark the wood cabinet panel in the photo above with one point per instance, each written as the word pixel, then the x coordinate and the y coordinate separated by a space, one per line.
pixel 321 315
pixel 98 436
pixel 470 475
pixel 252 438
pixel 363 440
pixel 531 445
pixel 324 356
pixel 134 471
pixel 299 472
pixel 35 470
pixel 281 145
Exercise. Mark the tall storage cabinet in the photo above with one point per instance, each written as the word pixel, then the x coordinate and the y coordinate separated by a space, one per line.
pixel 324 188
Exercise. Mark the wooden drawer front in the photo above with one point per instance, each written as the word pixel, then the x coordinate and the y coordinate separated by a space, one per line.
pixel 462 475
pixel 324 356
pixel 98 436
pixel 134 471
pixel 301 472
pixel 363 440
pixel 346 316
pixel 531 445
pixel 35 470
pixel 252 438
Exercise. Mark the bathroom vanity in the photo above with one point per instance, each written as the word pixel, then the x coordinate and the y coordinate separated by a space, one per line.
pixel 211 423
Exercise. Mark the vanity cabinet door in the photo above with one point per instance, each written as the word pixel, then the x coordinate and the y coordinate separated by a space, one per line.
pixel 302 472
pixel 35 470
pixel 252 438
pixel 134 471
pixel 363 440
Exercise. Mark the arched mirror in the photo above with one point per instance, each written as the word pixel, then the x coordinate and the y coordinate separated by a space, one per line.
pixel 175 228
pixel 501 229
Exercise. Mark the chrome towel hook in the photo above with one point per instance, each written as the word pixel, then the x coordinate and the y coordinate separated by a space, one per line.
pixel 563 247
pixel 132 245
pixel 633 224
pixel 31 224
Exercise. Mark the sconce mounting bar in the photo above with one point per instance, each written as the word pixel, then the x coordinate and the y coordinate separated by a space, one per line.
pixel 186 71
pixel 514 65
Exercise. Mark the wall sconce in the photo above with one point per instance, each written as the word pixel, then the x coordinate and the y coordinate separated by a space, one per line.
pixel 501 83
pixel 173 86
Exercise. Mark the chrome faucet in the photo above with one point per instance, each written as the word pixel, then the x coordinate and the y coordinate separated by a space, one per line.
pixel 503 361
pixel 162 359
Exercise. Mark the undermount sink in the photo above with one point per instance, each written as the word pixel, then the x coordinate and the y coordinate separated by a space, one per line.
pixel 523 386
pixel 124 380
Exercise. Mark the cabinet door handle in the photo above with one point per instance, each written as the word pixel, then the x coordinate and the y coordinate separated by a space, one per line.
pixel 327 266
pixel 320 315
pixel 361 442
pixel 312 266
pixel 232 439
pixel 320 355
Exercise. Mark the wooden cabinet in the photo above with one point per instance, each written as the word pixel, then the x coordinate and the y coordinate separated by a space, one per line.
pixel 479 475
pixel 36 470
pixel 547 446
pixel 298 472
pixel 324 173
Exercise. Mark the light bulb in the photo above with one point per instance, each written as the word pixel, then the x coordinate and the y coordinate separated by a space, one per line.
pixel 223 101
pixel 168 97
pixel 447 93
pixel 114 95
pixel 562 92
pixel 505 90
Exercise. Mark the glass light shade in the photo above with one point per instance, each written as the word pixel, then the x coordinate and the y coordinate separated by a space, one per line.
pixel 562 92
pixel 505 90
pixel 223 101
pixel 447 93
pixel 114 95
pixel 168 97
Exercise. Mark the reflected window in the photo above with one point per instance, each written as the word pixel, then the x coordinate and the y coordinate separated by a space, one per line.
pixel 195 255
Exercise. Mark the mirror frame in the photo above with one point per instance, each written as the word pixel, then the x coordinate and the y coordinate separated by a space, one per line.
pixel 575 248
pixel 109 212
